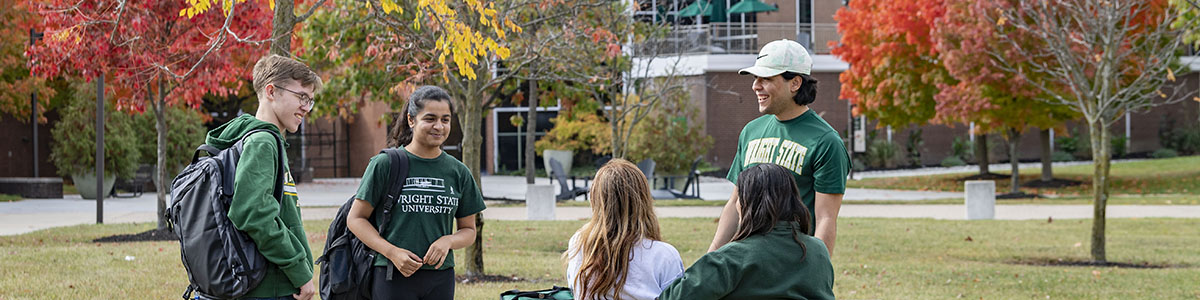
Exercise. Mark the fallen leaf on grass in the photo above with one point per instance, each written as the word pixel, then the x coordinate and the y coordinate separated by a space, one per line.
pixel 969 239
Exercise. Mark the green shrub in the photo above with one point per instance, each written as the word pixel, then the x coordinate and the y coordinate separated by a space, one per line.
pixel 74 149
pixel 963 149
pixel 857 164
pixel 582 133
pixel 913 147
pixel 953 161
pixel 1074 143
pixel 882 154
pixel 1164 153
pixel 1061 156
pixel 186 131
pixel 1119 144
pixel 1184 139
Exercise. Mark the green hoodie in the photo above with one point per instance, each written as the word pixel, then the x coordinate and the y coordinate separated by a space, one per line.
pixel 762 266
pixel 275 225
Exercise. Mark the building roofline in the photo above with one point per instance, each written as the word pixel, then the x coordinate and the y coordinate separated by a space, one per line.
pixel 690 65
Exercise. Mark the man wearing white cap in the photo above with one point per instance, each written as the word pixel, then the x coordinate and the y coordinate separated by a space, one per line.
pixel 791 135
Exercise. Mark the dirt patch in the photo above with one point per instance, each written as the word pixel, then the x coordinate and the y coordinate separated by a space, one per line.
pixel 1064 262
pixel 988 176
pixel 1014 196
pixel 147 236
pixel 488 278
pixel 1052 184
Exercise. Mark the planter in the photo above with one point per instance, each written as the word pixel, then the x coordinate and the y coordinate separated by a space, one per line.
pixel 562 156
pixel 86 184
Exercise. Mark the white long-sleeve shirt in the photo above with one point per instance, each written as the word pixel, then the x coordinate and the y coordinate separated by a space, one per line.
pixel 653 265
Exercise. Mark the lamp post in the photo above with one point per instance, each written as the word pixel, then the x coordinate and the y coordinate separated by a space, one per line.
pixel 34 36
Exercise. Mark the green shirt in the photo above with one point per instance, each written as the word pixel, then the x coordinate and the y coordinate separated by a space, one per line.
pixel 275 225
pixel 762 266
pixel 437 192
pixel 806 145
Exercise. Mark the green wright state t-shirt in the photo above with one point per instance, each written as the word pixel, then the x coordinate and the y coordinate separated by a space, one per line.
pixel 806 145
pixel 436 192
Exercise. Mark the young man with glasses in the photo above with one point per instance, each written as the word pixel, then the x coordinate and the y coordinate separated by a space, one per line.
pixel 791 135
pixel 285 89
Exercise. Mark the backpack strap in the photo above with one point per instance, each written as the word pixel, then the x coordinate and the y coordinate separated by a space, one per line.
pixel 278 193
pixel 398 174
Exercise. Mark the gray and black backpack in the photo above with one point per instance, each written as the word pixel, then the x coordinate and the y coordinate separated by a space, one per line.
pixel 222 262
pixel 346 264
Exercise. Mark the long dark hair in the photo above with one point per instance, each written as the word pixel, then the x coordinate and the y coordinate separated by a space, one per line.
pixel 401 134
pixel 767 194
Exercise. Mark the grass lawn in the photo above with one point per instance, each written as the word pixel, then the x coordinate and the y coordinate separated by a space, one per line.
pixel 875 259
pixel 1058 200
pixel 1180 175
pixel 1071 200
pixel 658 203
pixel 9 198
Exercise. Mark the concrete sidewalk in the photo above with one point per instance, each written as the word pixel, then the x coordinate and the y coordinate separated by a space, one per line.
pixel 321 198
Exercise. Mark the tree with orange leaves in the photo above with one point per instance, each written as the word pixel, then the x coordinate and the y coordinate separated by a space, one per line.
pixel 16 81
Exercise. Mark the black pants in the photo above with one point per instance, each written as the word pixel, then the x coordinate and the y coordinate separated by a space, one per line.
pixel 422 285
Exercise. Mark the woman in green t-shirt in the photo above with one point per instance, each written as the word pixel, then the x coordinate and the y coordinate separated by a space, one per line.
pixel 439 190
pixel 773 254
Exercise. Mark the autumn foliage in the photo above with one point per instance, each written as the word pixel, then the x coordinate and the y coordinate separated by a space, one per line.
pixel 985 93
pixel 894 62
pixel 16 82
pixel 137 45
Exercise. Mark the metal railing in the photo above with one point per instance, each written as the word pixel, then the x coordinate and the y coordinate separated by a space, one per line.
pixel 737 38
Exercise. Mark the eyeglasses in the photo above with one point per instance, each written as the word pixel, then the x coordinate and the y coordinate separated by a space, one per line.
pixel 305 99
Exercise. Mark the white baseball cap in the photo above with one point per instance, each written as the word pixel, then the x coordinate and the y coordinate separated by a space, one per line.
pixel 778 57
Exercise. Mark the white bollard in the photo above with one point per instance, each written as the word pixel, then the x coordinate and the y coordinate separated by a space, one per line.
pixel 539 202
pixel 981 199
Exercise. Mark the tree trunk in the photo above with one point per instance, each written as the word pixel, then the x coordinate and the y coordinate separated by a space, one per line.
pixel 1047 157
pixel 981 154
pixel 281 28
pixel 470 120
pixel 160 164
pixel 1014 138
pixel 530 129
pixel 1100 163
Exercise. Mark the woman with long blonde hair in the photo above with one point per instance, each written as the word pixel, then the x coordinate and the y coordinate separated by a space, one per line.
pixel 619 253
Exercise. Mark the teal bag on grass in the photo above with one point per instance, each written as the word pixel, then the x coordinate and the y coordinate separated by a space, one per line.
pixel 555 293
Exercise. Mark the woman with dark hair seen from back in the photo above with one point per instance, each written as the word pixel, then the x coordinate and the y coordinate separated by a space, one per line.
pixel 619 253
pixel 772 255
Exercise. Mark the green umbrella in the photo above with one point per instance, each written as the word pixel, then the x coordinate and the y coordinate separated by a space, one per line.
pixel 751 6
pixel 700 7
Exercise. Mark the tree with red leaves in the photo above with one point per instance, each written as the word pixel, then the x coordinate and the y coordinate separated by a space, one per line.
pixel 152 55
pixel 994 99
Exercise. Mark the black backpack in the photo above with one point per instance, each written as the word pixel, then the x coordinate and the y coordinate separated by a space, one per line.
pixel 221 261
pixel 346 264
